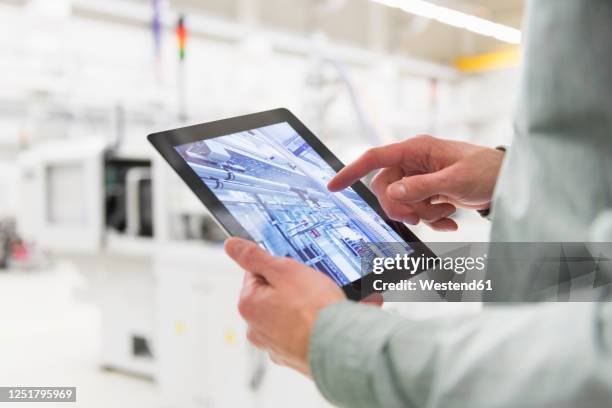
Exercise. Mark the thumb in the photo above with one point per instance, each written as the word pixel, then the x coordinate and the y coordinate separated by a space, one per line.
pixel 253 258
pixel 413 189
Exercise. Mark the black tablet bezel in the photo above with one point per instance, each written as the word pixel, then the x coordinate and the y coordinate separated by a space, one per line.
pixel 166 141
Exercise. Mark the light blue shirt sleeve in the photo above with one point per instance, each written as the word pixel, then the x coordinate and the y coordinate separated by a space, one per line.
pixel 553 354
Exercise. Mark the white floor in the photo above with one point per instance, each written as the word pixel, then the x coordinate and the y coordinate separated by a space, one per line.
pixel 49 336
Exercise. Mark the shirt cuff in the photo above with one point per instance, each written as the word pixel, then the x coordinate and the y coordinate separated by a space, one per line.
pixel 347 340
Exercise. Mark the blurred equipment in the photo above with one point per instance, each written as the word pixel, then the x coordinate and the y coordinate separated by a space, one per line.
pixel 88 205
pixel 61 196
pixel 328 79
pixel 16 254
pixel 7 237
pixel 181 36
pixel 202 355
pixel 156 27
pixel 128 191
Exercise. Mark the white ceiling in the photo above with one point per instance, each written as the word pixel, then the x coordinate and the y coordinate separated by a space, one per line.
pixel 352 21
pixel 363 22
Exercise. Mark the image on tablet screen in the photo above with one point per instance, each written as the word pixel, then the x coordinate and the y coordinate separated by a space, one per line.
pixel 274 183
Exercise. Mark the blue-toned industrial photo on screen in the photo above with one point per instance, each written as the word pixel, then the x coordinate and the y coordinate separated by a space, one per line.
pixel 273 182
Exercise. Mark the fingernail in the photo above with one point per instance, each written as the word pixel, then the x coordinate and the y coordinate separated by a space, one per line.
pixel 411 221
pixel 397 191
pixel 439 199
pixel 451 210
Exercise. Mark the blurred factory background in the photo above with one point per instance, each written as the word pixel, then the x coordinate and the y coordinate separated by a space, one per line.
pixel 112 275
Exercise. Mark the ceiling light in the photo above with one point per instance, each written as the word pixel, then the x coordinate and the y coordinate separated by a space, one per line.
pixel 56 9
pixel 456 18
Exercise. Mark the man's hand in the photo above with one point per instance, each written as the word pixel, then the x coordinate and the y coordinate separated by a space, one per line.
pixel 426 179
pixel 280 301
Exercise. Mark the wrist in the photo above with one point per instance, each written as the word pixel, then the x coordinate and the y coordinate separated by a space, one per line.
pixel 486 212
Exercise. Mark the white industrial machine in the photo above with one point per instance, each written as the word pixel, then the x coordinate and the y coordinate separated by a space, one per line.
pixel 202 356
pixel 61 195
pixel 64 200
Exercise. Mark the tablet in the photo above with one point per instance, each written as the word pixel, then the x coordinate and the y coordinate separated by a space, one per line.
pixel 263 177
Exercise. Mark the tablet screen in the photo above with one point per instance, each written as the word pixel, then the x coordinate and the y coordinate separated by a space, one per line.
pixel 274 184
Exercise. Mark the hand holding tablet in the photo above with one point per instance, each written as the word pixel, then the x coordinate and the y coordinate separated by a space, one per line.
pixel 264 177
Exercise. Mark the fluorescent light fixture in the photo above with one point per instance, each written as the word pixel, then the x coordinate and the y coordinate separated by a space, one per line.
pixel 456 18
pixel 51 9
